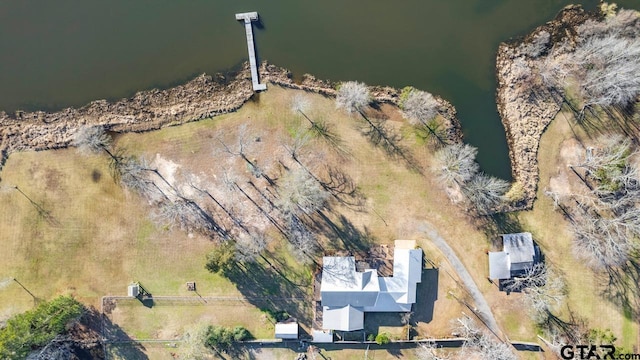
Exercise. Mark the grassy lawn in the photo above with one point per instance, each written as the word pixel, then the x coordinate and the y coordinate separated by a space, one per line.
pixel 88 237
pixel 167 319
pixel 584 286
pixel 94 239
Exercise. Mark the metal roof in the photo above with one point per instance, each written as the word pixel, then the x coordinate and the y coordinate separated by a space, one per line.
pixel 519 247
pixel 342 286
pixel 287 330
pixel 346 318
pixel 499 266
pixel 322 336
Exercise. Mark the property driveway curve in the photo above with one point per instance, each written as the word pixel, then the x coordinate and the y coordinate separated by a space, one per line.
pixel 483 309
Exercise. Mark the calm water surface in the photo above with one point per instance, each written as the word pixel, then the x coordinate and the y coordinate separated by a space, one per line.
pixel 59 53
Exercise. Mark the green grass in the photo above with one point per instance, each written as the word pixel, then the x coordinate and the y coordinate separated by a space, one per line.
pixel 167 319
pixel 629 330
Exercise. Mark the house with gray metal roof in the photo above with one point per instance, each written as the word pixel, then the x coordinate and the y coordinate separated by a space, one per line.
pixel 346 294
pixel 519 254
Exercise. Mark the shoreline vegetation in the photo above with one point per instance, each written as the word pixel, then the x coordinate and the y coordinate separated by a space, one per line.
pixel 526 112
pixel 203 97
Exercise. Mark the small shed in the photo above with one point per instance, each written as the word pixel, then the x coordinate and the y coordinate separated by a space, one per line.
pixel 287 330
pixel 322 336
pixel 518 256
pixel 133 290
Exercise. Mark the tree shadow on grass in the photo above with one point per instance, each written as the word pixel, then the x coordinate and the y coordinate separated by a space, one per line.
pixel 342 234
pixel 118 344
pixel 623 288
pixel 496 224
pixel 126 350
pixel 389 141
pixel 264 287
pixel 235 351
pixel 342 187
pixel 597 121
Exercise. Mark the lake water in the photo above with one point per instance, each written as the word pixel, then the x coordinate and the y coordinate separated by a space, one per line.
pixel 60 53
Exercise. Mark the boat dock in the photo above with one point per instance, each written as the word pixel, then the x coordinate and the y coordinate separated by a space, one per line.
pixel 248 17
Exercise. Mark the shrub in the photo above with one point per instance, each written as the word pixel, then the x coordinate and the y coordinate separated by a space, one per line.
pixel 222 338
pixel 219 337
pixel 276 316
pixel 382 339
pixel 371 337
pixel 241 334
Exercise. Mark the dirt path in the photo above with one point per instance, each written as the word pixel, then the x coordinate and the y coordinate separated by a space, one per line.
pixel 482 306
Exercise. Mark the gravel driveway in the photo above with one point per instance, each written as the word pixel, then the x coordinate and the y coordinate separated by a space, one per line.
pixel 483 309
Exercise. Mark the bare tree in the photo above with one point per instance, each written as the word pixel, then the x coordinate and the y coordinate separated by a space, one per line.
pixel 543 291
pixel 91 139
pixel 300 104
pixel 553 71
pixel 606 220
pixel 523 75
pixel 193 346
pixel 294 144
pixel 537 45
pixel 598 243
pixel 430 351
pixel 623 23
pixel 133 173
pixel 456 164
pixel 544 295
pixel 303 242
pixel 179 213
pixel 300 193
pixel 250 246
pixel 615 179
pixel 240 149
pixel 485 192
pixel 352 96
pixel 607 69
pixel 419 107
pixel 481 344
pixel 241 145
pixel 319 127
pixel 405 318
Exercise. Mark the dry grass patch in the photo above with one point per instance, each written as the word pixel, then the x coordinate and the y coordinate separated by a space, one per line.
pixel 557 148
pixel 98 238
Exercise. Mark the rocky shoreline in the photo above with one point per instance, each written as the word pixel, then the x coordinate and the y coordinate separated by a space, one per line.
pixel 203 97
pixel 526 108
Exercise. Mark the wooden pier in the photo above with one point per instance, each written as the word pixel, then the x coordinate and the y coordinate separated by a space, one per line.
pixel 248 17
